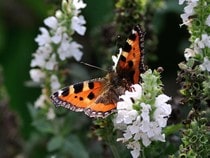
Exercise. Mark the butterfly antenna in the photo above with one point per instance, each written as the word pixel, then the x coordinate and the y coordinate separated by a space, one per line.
pixel 96 67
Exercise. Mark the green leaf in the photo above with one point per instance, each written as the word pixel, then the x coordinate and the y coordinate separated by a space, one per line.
pixel 74 146
pixel 43 126
pixel 55 143
pixel 172 128
pixel 32 110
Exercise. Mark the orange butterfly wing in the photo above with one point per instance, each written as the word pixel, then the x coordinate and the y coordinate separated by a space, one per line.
pixel 130 63
pixel 98 98
pixel 83 97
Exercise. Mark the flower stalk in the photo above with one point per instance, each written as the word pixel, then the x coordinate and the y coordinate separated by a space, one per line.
pixel 55 46
pixel 142 114
pixel 194 77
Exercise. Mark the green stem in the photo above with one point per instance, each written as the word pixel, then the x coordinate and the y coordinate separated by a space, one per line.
pixel 142 153
pixel 114 150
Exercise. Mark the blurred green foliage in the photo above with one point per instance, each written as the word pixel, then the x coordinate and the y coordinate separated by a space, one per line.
pixel 19 25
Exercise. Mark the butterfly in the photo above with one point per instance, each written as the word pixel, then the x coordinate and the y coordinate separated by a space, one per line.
pixel 98 97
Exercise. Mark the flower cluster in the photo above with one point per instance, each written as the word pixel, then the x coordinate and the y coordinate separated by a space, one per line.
pixel 55 44
pixel 207 22
pixel 188 10
pixel 195 84
pixel 200 39
pixel 141 116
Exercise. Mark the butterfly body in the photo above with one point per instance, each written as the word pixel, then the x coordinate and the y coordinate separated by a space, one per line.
pixel 98 97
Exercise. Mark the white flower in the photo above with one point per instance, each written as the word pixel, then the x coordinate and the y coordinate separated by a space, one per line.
pixel 41 55
pixel 208 20
pixel 44 38
pixel 126 103
pixel 77 23
pixel 145 139
pixel 37 75
pixel 126 113
pixel 163 110
pixel 58 14
pixel 145 111
pixel 199 43
pixel 126 116
pixel 143 126
pixel 136 148
pixel 51 63
pixel 135 153
pixel 188 11
pixel 203 42
pixel 78 4
pixel 127 135
pixel 58 35
pixel 162 98
pixel 56 38
pixel 188 53
pixel 75 50
pixel 50 114
pixel 40 102
pixel 135 127
pixel 63 50
pixel 51 22
pixel 55 45
pixel 205 65
pixel 181 2
pixel 206 40
pixel 185 19
pixel 54 83
pixel 67 49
